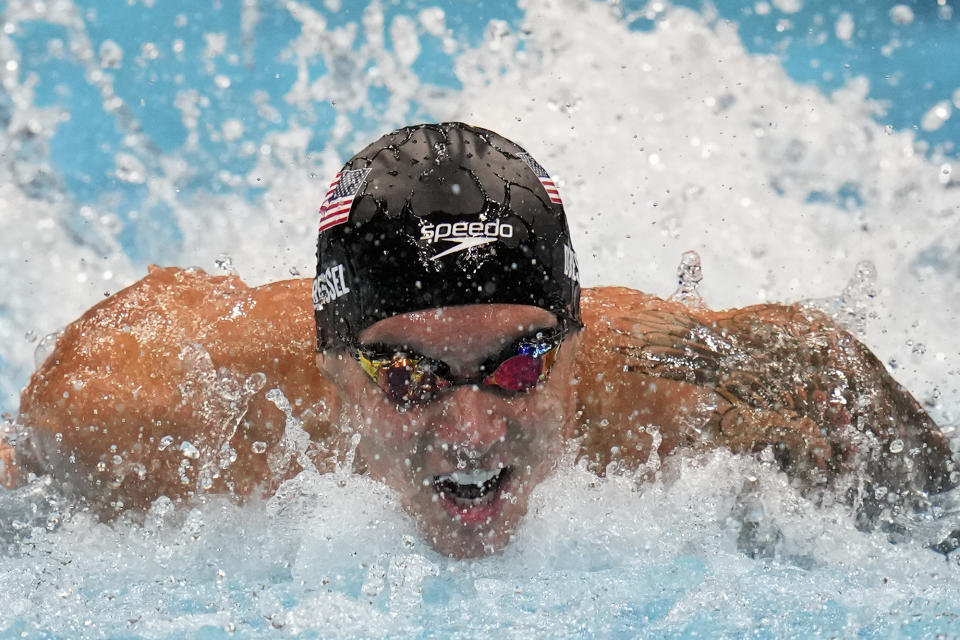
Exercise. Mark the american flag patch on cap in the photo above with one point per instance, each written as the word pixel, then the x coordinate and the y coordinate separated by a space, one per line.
pixel 544 178
pixel 336 204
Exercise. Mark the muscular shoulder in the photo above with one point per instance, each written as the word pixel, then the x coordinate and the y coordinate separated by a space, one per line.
pixel 781 375
pixel 180 356
pixel 172 302
pixel 148 329
pixel 634 407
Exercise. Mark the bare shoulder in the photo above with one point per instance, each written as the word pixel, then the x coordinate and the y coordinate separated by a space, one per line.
pixel 801 364
pixel 780 376
pixel 635 415
pixel 162 388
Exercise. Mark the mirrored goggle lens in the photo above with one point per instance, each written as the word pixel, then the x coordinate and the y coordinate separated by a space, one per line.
pixel 519 373
pixel 410 380
pixel 406 380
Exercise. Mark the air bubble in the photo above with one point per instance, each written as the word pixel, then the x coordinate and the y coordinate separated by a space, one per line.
pixel 259 447
pixel 206 478
pixel 256 381
pixel 936 116
pixel 188 450
pixel 228 455
pixel 844 27
pixel 149 51
pixel 232 129
pixel 129 169
pixel 896 446
pixel 946 169
pixel 901 14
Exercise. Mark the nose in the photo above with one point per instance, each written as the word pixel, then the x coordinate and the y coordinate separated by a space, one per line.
pixel 469 418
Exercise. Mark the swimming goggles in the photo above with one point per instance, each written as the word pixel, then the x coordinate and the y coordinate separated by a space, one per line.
pixel 410 378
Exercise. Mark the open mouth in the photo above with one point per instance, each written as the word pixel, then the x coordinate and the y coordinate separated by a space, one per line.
pixel 472 496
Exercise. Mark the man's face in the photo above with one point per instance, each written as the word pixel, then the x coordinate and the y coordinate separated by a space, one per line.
pixel 466 461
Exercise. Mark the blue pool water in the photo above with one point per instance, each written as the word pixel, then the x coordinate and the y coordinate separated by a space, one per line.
pixel 784 140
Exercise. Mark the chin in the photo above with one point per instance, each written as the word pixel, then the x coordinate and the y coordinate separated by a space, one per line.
pixel 461 543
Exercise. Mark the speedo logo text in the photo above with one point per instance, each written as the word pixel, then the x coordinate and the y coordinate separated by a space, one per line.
pixel 464 235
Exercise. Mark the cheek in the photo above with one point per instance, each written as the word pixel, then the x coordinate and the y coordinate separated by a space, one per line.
pixel 386 428
pixel 548 417
pixel 538 425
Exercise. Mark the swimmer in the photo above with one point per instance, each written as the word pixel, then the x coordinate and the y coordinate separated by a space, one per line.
pixel 446 344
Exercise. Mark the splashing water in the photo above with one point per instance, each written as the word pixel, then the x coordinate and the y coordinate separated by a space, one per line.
pixel 295 441
pixel 173 133
pixel 853 307
pixel 45 347
pixel 224 264
pixel 689 274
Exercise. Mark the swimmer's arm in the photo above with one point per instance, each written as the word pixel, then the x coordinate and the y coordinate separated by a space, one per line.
pixel 9 475
pixel 771 373
pixel 634 410
pixel 166 360
pixel 657 376
pixel 837 397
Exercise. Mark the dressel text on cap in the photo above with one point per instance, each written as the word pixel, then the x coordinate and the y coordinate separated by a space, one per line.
pixel 329 285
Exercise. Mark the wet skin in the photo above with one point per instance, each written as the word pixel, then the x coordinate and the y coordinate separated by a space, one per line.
pixel 467 428
pixel 181 356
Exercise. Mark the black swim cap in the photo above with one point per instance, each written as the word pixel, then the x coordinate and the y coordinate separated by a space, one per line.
pixel 438 215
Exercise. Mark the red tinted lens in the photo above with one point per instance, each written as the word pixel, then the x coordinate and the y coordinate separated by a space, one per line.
pixel 518 373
